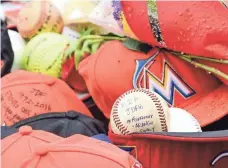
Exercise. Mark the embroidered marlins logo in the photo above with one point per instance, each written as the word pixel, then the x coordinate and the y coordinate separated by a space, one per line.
pixel 164 80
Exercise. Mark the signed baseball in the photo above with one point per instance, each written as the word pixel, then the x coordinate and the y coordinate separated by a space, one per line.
pixel 182 121
pixel 139 111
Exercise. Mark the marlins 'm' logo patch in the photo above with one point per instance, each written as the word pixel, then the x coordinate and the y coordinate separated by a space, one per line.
pixel 159 76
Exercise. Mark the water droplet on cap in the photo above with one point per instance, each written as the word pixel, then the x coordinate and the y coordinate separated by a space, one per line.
pixel 129 9
pixel 187 10
pixel 142 12
pixel 208 27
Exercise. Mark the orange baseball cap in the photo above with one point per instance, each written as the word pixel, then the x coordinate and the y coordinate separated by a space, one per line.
pixel 75 151
pixel 16 147
pixel 25 94
pixel 178 82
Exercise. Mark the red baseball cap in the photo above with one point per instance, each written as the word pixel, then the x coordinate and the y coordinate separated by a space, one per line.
pixel 114 69
pixel 193 27
pixel 16 147
pixel 77 151
pixel 25 94
pixel 71 76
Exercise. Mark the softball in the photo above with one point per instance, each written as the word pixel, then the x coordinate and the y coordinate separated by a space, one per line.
pixel 46 53
pixel 139 111
pixel 37 17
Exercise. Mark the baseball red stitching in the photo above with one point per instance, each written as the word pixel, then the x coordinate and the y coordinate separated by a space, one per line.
pixel 120 126
pixel 161 113
pixel 160 110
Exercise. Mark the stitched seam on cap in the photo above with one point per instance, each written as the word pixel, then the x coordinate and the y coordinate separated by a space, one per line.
pixel 19 84
pixel 37 118
pixel 86 125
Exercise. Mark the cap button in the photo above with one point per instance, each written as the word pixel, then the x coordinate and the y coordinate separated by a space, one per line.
pixel 42 150
pixel 72 115
pixel 25 130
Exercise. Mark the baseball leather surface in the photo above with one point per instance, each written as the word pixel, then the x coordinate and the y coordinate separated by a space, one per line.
pixel 37 17
pixel 139 110
pixel 182 121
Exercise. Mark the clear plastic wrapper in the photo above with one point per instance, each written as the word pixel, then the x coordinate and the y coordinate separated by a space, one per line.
pixel 104 13
pixel 107 15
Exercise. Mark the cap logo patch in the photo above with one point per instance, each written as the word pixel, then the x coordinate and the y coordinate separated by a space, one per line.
pixel 165 81
pixel 131 149
pixel 136 165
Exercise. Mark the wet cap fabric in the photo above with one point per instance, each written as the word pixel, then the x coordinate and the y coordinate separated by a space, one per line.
pixel 64 124
pixel 16 147
pixel 25 94
pixel 6 131
pixel 79 151
pixel 179 83
pixel 192 27
pixel 7 55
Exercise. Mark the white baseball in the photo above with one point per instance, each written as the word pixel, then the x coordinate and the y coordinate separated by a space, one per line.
pixel 182 121
pixel 141 111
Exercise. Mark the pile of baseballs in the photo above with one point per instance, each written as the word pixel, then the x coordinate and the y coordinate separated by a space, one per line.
pixel 144 111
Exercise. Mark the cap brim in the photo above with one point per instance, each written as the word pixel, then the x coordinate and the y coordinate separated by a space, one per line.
pixel 210 108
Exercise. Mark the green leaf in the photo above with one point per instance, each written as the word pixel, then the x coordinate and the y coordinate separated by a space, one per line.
pixel 111 35
pixel 135 45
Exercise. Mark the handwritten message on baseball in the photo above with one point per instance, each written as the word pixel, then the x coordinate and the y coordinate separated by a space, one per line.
pixel 139 110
